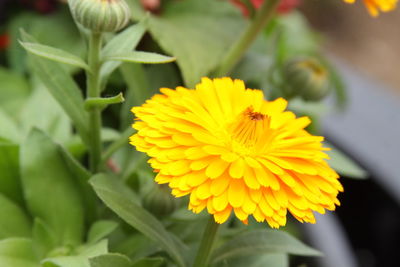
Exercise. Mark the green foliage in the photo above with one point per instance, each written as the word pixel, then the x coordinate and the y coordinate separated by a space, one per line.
pixel 56 123
pixel 123 42
pixel 63 88
pixel 43 237
pixel 55 30
pixel 100 230
pixel 264 260
pixel 140 57
pixel 54 54
pixel 149 262
pixel 121 200
pixel 185 28
pixel 110 260
pixel 344 165
pixel 16 223
pixel 261 242
pixel 14 91
pixel 55 182
pixel 10 185
pixel 17 252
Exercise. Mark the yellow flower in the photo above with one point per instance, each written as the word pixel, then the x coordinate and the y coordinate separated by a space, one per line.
pixel 374 6
pixel 233 151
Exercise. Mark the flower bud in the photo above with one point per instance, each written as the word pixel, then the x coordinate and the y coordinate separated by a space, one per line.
pixel 101 15
pixel 307 78
pixel 159 201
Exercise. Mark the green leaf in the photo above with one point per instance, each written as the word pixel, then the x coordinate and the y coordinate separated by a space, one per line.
pixel 100 230
pixel 44 239
pixel 137 89
pixel 261 242
pixel 123 42
pixel 17 252
pixel 344 164
pixel 56 29
pixel 94 250
pixel 272 260
pixel 81 177
pixel 119 199
pixel 10 183
pixel 50 188
pixel 140 57
pixel 63 88
pixel 9 128
pixel 66 261
pixel 80 260
pixel 13 220
pixel 149 262
pixel 137 246
pixel 14 91
pixel 111 260
pixel 196 32
pixel 54 54
pixel 42 111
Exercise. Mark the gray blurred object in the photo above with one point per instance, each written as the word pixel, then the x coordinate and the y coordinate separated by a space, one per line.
pixel 329 237
pixel 368 131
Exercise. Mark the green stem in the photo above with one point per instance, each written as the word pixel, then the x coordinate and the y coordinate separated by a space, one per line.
pixel 93 91
pixel 263 16
pixel 117 144
pixel 203 254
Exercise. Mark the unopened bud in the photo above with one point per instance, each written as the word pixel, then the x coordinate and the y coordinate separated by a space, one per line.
pixel 307 78
pixel 101 15
pixel 159 201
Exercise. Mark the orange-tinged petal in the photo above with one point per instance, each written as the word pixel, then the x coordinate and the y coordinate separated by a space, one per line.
pixel 221 217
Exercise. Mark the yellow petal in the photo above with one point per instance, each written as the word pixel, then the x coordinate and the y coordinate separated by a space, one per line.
pixel 220 202
pixel 236 193
pixel 221 217
pixel 236 169
pixel 216 168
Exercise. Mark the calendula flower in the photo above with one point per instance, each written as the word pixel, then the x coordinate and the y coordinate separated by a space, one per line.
pixel 374 6
pixel 233 151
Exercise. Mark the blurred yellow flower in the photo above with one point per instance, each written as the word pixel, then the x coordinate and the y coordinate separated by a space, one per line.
pixel 233 151
pixel 374 6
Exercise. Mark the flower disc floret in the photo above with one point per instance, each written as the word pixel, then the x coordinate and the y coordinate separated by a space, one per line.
pixel 234 152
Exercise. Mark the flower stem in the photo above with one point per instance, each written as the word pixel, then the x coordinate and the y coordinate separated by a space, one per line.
pixel 93 91
pixel 117 144
pixel 203 254
pixel 263 16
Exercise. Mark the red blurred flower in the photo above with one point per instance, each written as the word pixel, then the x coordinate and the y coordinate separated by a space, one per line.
pixel 151 5
pixel 4 41
pixel 284 6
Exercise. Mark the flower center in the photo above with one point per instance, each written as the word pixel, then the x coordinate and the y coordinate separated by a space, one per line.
pixel 250 131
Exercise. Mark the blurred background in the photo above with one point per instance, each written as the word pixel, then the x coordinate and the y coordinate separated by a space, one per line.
pixel 370 45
